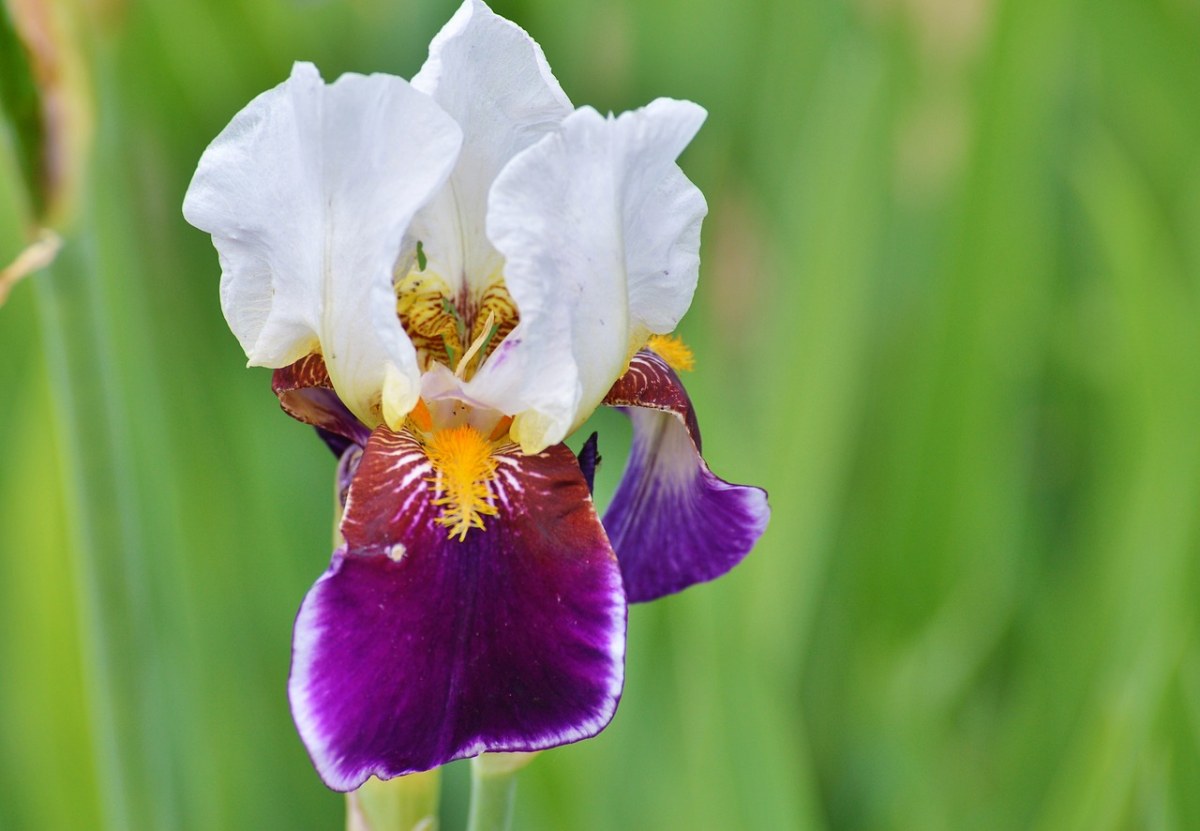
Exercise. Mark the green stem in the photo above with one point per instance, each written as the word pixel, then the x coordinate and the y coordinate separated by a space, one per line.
pixel 493 795
pixel 406 803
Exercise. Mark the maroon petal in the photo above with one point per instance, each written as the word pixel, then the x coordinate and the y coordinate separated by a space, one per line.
pixel 673 522
pixel 306 394
pixel 415 649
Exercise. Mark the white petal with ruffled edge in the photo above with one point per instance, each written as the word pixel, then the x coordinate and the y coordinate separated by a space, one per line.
pixel 307 194
pixel 493 79
pixel 601 233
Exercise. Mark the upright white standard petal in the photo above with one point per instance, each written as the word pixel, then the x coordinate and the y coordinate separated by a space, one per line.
pixel 493 79
pixel 601 234
pixel 307 194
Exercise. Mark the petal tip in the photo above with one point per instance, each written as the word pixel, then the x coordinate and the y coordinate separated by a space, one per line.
pixel 687 112
pixel 305 71
pixel 398 398
pixel 534 431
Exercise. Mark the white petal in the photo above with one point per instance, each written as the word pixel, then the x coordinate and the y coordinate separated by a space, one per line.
pixel 307 194
pixel 601 234
pixel 493 79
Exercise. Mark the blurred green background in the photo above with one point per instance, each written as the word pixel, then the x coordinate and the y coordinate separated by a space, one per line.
pixel 948 315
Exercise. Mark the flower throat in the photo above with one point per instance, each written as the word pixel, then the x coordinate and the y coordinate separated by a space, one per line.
pixel 459 332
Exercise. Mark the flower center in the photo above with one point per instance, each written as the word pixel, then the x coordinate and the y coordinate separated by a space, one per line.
pixel 458 331
pixel 464 469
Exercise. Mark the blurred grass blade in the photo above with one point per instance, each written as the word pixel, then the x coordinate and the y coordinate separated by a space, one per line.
pixel 45 100
pixel 117 634
pixel 1148 539
pixel 21 106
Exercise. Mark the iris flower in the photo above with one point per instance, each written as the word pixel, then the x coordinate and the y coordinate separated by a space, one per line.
pixel 448 276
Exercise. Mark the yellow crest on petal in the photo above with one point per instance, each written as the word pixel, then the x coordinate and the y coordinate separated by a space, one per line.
pixel 674 351
pixel 464 468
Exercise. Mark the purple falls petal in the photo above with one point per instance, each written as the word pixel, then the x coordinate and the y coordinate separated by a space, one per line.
pixel 414 649
pixel 306 394
pixel 672 521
